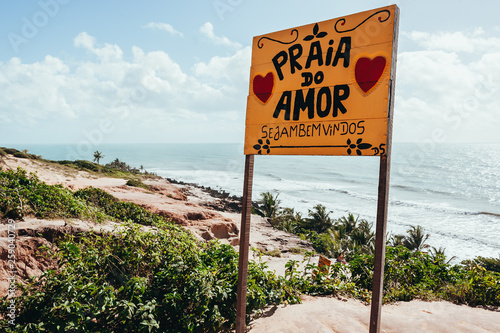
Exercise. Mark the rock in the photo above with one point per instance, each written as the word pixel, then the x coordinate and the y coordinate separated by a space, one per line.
pixel 30 260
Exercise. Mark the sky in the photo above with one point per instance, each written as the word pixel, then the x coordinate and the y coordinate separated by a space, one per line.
pixel 171 71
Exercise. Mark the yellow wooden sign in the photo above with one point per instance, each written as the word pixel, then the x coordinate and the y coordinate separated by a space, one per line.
pixel 322 88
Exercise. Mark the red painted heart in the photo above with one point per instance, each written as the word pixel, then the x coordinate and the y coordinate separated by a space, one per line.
pixel 368 72
pixel 263 86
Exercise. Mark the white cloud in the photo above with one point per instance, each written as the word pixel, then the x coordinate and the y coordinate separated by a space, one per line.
pixel 163 27
pixel 207 29
pixel 441 89
pixel 149 97
pixel 458 41
pixel 106 53
pixel 84 40
pixel 234 68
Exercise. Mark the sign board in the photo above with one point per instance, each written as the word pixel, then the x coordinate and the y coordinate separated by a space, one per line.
pixel 322 88
pixel 325 88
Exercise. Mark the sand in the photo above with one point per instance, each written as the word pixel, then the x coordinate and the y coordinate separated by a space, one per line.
pixel 187 206
pixel 323 314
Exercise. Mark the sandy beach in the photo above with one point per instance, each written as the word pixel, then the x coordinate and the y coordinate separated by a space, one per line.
pixel 190 207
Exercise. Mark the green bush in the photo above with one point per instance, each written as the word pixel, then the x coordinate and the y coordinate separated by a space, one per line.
pixel 22 194
pixel 136 281
pixel 409 275
pixel 86 165
pixel 474 286
pixel 490 264
pixel 2 152
pixel 114 169
pixel 21 154
pixel 162 280
pixel 10 151
pixel 136 183
pixel 120 210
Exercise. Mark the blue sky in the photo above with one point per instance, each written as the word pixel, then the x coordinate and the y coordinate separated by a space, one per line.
pixel 177 71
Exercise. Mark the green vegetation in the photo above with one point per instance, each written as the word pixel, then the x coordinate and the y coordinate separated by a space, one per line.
pixel 139 281
pixel 115 168
pixel 130 280
pixel 23 194
pixel 160 279
pixel 410 273
pixel 345 236
pixel 137 183
pixel 120 169
pixel 21 154
pixel 122 166
pixel 490 264
pixel 118 210
pixel 17 153
pixel 10 151
pixel 267 206
pixel 81 165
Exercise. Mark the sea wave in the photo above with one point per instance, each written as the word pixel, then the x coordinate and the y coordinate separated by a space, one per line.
pixel 439 208
pixel 487 213
pixel 421 190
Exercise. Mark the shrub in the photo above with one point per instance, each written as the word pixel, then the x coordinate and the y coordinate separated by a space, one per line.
pixel 22 194
pixel 10 151
pixel 21 154
pixel 137 183
pixel 120 210
pixel 135 281
pixel 474 286
pixel 490 264
pixel 122 166
pixel 86 165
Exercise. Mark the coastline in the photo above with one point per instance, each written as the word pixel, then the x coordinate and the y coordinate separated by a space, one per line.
pixel 441 196
pixel 193 208
pixel 205 212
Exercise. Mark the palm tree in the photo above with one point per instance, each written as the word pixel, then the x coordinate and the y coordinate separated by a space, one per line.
pixel 439 256
pixel 395 240
pixel 319 219
pixel 362 237
pixel 268 205
pixel 415 241
pixel 287 220
pixel 349 223
pixel 97 156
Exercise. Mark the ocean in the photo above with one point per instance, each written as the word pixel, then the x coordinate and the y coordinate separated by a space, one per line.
pixel 451 190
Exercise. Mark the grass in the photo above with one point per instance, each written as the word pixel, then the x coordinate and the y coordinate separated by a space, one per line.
pixel 23 194
pixel 297 250
pixel 137 183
